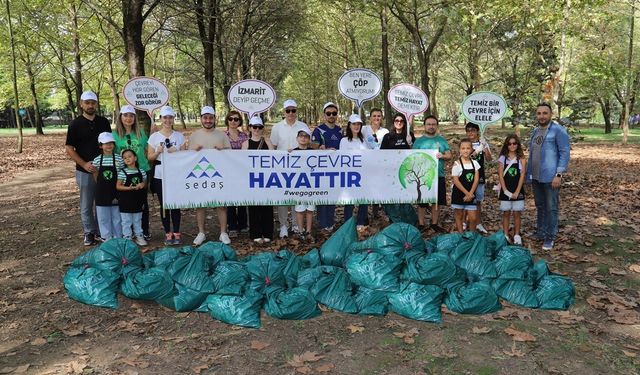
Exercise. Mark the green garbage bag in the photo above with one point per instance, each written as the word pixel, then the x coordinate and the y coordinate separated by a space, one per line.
pixel 241 310
pixel 372 302
pixel 518 292
pixel 555 292
pixel 496 242
pixel 334 290
pixel 294 303
pixel 335 250
pixel 92 286
pixel 307 277
pixel 396 239
pixel 185 299
pixel 112 255
pixel 445 243
pixel 538 271
pixel 473 298
pixel 472 254
pixel 161 258
pixel 374 270
pixel 401 213
pixel 434 269
pixel 230 278
pixel 311 259
pixel 148 284
pixel 292 267
pixel 265 269
pixel 417 301
pixel 216 252
pixel 192 271
pixel 513 262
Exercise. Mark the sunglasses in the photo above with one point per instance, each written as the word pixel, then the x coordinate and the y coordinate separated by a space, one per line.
pixel 291 110
pixel 234 119
pixel 512 143
pixel 398 120
pixel 331 113
pixel 129 139
pixel 257 127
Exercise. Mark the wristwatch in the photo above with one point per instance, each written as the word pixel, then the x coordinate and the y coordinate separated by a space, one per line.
pixel 559 175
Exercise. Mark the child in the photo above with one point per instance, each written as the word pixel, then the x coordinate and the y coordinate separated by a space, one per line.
pixel 304 211
pixel 107 165
pixel 481 153
pixel 511 167
pixel 465 173
pixel 132 188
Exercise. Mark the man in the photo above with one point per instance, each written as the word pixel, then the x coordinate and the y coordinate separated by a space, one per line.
pixel 283 137
pixel 374 133
pixel 82 147
pixel 548 160
pixel 209 138
pixel 327 136
pixel 481 153
pixel 434 141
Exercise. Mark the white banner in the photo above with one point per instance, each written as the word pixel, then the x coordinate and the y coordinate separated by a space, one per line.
pixel 211 178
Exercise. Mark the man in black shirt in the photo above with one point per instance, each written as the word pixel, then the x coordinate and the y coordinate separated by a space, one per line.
pixel 82 146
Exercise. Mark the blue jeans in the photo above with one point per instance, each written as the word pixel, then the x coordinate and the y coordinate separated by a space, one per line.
pixel 87 186
pixel 326 216
pixel 131 219
pixel 361 219
pixel 547 206
pixel 109 222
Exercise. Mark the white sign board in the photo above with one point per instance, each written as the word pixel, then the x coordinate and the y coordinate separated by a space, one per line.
pixel 484 108
pixel 408 99
pixel 146 93
pixel 359 85
pixel 252 96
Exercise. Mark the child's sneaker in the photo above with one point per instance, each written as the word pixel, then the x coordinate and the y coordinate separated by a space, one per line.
pixel 233 233
pixel 224 238
pixel 547 245
pixel 517 240
pixel 481 229
pixel 140 241
pixel 168 239
pixel 301 236
pixel 89 239
pixel 177 238
pixel 199 239
pixel 284 232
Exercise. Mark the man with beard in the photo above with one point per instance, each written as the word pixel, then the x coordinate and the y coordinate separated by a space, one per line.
pixel 209 138
pixel 548 160
pixel 82 147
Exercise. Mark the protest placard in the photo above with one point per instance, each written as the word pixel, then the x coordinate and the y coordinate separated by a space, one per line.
pixel 252 96
pixel 484 108
pixel 359 85
pixel 408 99
pixel 146 93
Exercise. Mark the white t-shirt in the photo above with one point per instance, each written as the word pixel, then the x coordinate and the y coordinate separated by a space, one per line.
pixel 283 135
pixel 354 144
pixel 157 138
pixel 367 132
pixel 457 168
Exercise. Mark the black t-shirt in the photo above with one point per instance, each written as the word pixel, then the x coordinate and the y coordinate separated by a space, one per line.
pixel 83 133
pixel 395 141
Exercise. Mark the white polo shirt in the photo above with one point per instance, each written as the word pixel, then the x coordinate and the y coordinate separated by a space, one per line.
pixel 284 135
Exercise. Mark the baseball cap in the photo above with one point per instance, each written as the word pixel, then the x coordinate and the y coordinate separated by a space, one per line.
pixel 89 95
pixel 255 120
pixel 329 104
pixel 290 103
pixel 207 110
pixel 355 118
pixel 106 137
pixel 304 130
pixel 167 111
pixel 127 108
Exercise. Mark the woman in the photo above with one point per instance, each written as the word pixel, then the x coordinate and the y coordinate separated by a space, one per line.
pixel 129 136
pixel 236 216
pixel 354 140
pixel 261 217
pixel 397 138
pixel 166 140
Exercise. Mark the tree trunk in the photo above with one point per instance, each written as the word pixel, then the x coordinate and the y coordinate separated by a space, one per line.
pixel 206 20
pixel 630 77
pixel 34 100
pixel 15 79
pixel 77 59
pixel 605 106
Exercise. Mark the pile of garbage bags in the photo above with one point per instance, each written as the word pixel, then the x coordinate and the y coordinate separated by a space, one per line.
pixel 395 270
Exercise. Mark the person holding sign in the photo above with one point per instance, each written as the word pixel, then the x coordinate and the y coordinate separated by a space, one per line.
pixel 397 139
pixel 434 141
pixel 210 138
pixel 374 133
pixel 237 216
pixel 481 153
pixel 327 136
pixel 549 153
pixel 283 137
pixel 166 140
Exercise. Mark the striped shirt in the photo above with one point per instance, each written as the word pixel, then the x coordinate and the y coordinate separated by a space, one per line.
pixel 123 177
pixel 107 161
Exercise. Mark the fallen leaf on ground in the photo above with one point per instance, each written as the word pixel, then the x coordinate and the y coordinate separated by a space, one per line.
pixel 635 268
pixel 617 272
pixel 355 328
pixel 38 341
pixel 346 353
pixel 198 369
pixel 629 354
pixel 514 352
pixel 7 370
pixel 408 336
pixel 72 332
pixel 481 330
pixel 258 345
pixel 304 370
pixel 598 284
pixel 566 317
pixel 75 367
pixel 325 368
pixel 300 360
pixel 22 369
pixel 52 291
pixel 519 335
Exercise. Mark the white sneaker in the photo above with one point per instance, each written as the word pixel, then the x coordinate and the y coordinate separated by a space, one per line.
pixel 284 232
pixel 295 229
pixel 199 239
pixel 141 241
pixel 464 226
pixel 224 238
pixel 360 228
pixel 517 240
pixel 481 229
pixel 266 240
pixel 258 240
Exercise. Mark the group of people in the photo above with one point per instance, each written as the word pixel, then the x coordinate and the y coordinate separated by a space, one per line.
pixel 115 168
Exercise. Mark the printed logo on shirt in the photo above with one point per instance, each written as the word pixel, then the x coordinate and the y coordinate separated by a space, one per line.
pixel 539 140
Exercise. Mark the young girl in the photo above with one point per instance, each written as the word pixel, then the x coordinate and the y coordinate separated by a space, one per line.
pixel 107 165
pixel 132 189
pixel 304 212
pixel 466 175
pixel 166 139
pixel 511 167
pixel 236 215
pixel 354 140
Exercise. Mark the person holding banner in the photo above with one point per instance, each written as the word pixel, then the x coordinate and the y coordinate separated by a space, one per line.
pixel 481 153
pixel 434 141
pixel 283 137
pixel 327 136
pixel 354 140
pixel 166 140
pixel 260 217
pixel 304 212
pixel 465 175
pixel 374 133
pixel 210 138
pixel 236 216
pixel 398 138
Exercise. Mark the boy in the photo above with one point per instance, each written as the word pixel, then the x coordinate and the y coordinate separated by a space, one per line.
pixel 481 153
pixel 304 211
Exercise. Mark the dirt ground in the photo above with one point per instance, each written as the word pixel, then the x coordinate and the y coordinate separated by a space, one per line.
pixel 42 331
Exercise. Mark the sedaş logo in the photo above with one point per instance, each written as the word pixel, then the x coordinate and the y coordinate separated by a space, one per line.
pixel 204 169
pixel 202 176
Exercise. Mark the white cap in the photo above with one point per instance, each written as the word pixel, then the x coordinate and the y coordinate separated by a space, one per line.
pixel 106 137
pixel 255 120
pixel 127 108
pixel 167 111
pixel 355 118
pixel 304 129
pixel 289 103
pixel 207 110
pixel 89 95
pixel 329 104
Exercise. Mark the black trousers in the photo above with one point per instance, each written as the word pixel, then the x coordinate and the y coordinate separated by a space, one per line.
pixel 261 220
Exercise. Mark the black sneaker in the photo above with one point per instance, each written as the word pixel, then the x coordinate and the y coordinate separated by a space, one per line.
pixel 438 229
pixel 98 238
pixel 147 236
pixel 89 239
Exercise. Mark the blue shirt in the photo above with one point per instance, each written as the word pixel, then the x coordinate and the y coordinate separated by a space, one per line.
pixel 323 135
